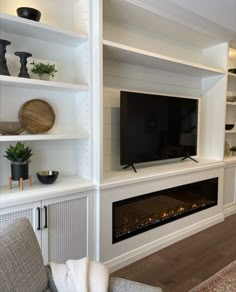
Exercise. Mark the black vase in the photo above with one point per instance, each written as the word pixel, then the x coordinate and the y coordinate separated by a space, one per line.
pixel 20 170
pixel 3 61
pixel 23 60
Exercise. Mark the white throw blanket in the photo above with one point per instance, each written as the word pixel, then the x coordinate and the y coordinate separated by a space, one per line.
pixel 80 276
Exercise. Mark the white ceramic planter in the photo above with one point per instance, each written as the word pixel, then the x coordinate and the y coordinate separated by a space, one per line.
pixel 44 77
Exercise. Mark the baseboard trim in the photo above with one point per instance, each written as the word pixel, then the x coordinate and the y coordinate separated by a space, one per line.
pixel 145 250
pixel 229 209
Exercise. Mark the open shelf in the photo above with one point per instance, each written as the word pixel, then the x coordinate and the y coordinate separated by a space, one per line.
pixel 42 137
pixel 41 84
pixel 138 57
pixel 232 74
pixel 38 191
pixel 33 29
pixel 167 18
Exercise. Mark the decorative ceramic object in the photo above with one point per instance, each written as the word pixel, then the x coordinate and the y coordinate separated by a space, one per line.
pixel 23 60
pixel 47 176
pixel 227 149
pixel 233 149
pixel 29 13
pixel 11 128
pixel 233 70
pixel 3 61
pixel 231 98
pixel 229 127
pixel 45 77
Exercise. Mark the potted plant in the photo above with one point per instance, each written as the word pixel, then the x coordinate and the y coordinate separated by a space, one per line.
pixel 233 149
pixel 44 70
pixel 19 155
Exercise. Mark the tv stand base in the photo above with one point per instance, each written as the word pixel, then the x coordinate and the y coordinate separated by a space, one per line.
pixel 131 164
pixel 189 157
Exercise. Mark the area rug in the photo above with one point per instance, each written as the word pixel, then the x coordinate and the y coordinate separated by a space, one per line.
pixel 222 281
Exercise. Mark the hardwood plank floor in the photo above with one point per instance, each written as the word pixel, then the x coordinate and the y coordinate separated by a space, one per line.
pixel 187 263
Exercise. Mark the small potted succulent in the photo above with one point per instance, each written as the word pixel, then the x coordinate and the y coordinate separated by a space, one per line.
pixel 19 155
pixel 233 149
pixel 44 70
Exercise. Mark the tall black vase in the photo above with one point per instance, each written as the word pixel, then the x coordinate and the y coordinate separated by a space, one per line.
pixel 23 60
pixel 3 61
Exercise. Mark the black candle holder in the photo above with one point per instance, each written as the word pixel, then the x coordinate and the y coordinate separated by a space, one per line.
pixel 3 61
pixel 23 60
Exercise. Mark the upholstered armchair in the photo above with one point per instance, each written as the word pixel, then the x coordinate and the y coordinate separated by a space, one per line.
pixel 22 268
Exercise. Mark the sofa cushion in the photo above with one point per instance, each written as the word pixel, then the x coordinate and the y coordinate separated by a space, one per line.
pixel 21 262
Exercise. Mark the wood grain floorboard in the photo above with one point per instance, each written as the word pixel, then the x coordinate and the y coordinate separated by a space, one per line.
pixel 187 263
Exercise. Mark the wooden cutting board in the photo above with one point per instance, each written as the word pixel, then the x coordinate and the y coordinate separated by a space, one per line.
pixel 37 116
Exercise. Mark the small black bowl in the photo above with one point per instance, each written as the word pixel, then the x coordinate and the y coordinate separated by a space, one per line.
pixel 29 13
pixel 47 176
pixel 229 126
pixel 233 70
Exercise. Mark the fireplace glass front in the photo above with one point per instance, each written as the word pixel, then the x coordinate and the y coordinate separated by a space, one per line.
pixel 138 214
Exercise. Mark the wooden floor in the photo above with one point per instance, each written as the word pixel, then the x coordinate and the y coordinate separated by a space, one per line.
pixel 185 264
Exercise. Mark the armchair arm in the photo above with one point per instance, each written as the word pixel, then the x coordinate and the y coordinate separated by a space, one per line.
pixel 123 285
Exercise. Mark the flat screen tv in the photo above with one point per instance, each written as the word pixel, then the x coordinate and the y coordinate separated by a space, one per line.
pixel 156 127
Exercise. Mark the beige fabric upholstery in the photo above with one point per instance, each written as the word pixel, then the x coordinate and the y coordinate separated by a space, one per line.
pixel 21 262
pixel 123 285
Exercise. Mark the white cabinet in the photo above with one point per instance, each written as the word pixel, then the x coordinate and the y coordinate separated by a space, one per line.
pixel 30 211
pixel 61 37
pixel 63 225
pixel 65 232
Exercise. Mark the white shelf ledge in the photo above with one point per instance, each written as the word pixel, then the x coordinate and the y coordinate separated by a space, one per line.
pixel 230 103
pixel 63 186
pixel 230 160
pixel 232 74
pixel 42 137
pixel 146 173
pixel 138 57
pixel 41 84
pixel 38 30
pixel 230 131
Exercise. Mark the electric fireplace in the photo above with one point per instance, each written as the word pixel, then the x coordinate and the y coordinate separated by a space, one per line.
pixel 138 214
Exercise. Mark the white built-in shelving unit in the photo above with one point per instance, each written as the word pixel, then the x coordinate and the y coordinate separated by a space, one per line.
pixel 61 37
pixel 146 49
pixel 230 135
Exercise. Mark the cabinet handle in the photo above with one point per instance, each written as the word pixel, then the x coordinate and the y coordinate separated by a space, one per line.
pixel 46 217
pixel 39 218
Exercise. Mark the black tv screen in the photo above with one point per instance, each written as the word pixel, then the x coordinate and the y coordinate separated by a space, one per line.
pixel 156 127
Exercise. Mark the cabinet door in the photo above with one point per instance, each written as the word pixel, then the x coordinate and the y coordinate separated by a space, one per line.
pixel 65 228
pixel 30 211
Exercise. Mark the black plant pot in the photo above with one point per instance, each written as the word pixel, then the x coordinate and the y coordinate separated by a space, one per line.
pixel 3 61
pixel 23 60
pixel 20 170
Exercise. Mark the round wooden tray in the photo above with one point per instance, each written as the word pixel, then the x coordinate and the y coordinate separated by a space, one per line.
pixel 37 116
